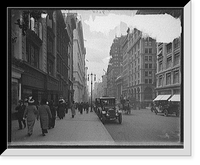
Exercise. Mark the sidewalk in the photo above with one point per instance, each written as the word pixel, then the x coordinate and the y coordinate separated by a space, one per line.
pixel 85 129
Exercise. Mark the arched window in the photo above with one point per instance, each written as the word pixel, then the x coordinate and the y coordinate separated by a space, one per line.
pixel 148 93
pixel 138 94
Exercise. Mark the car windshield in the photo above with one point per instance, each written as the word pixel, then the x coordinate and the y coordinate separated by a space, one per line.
pixel 107 102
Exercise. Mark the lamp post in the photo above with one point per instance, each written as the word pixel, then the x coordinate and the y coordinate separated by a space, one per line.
pixel 91 79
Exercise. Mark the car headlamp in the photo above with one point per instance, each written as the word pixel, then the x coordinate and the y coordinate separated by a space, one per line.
pixel 103 112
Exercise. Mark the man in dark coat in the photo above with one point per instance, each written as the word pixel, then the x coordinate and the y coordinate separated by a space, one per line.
pixel 53 113
pixel 20 112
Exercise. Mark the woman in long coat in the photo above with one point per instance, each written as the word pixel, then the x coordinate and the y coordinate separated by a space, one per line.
pixel 45 116
pixel 30 114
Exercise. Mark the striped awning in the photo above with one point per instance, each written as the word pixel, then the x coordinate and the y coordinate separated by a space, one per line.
pixel 175 98
pixel 165 97
pixel 158 97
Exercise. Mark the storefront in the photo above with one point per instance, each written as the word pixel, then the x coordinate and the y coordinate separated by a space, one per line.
pixel 16 87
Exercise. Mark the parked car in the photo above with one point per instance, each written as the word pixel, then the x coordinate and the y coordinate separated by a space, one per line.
pixel 172 108
pixel 166 104
pixel 108 110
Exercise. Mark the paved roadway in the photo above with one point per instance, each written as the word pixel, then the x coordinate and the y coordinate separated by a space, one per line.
pixel 144 126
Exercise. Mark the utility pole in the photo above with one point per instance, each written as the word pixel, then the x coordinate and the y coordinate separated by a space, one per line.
pixel 91 86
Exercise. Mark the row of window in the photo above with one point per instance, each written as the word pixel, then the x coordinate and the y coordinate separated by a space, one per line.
pixel 168 79
pixel 169 62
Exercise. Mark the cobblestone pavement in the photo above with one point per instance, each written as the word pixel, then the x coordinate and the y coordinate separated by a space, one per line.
pixel 144 126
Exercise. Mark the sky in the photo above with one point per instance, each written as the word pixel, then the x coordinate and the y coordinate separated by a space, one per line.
pixel 100 27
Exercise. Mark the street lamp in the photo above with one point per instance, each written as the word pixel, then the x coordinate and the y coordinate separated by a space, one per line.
pixel 91 79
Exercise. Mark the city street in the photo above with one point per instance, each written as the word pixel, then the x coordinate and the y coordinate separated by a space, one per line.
pixel 144 126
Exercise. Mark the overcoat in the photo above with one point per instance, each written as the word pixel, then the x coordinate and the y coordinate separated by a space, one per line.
pixel 30 113
pixel 45 115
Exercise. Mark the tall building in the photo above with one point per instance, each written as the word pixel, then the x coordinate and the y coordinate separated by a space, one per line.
pixel 79 51
pixel 70 21
pixel 139 68
pixel 168 74
pixel 41 53
pixel 114 65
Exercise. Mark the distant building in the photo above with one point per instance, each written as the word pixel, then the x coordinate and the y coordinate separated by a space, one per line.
pixel 114 66
pixel 79 51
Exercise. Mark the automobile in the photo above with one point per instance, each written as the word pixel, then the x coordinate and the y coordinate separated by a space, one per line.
pixel 108 110
pixel 166 104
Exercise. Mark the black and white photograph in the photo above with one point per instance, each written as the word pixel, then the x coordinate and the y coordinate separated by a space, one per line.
pixel 99 78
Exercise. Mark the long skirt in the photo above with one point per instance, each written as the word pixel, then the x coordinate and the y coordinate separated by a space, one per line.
pixel 30 125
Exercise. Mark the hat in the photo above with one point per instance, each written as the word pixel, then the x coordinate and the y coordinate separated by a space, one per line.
pixel 61 101
pixel 31 100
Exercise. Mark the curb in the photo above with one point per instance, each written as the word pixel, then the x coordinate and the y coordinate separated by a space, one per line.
pixel 105 130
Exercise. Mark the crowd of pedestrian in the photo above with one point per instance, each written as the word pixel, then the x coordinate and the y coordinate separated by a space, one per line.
pixel 45 112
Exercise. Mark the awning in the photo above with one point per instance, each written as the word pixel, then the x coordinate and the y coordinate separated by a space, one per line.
pixel 165 97
pixel 158 97
pixel 175 98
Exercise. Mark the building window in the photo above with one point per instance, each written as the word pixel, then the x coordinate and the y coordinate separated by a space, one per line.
pixel 150 81
pixel 146 50
pixel 146 58
pixel 176 58
pixel 150 58
pixel 160 81
pixel 32 53
pixel 150 73
pixel 146 81
pixel 146 66
pixel 50 67
pixel 146 73
pixel 176 77
pixel 150 43
pixel 169 48
pixel 150 66
pixel 168 78
pixel 169 62
pixel 150 50
pixel 176 43
pixel 160 66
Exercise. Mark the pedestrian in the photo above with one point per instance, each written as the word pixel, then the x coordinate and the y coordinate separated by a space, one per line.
pixel 53 113
pixel 73 107
pixel 61 109
pixel 30 114
pixel 20 112
pixel 87 107
pixel 45 116
pixel 81 107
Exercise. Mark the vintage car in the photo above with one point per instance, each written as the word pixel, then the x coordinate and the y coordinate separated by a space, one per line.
pixel 108 110
pixel 166 104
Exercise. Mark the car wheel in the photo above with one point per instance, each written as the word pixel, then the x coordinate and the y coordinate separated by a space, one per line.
pixel 166 113
pixel 120 119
